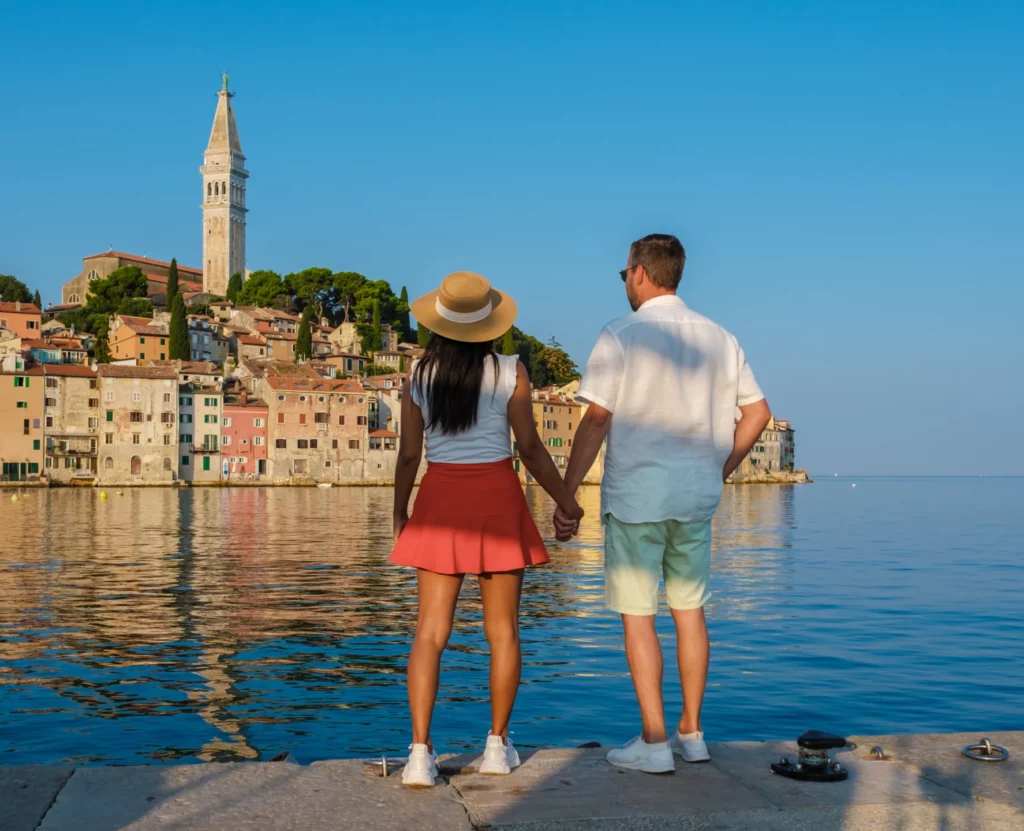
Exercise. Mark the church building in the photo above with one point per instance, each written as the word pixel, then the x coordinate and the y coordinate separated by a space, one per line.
pixel 223 205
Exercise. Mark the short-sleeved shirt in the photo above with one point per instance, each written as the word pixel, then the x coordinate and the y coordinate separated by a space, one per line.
pixel 673 380
pixel 490 439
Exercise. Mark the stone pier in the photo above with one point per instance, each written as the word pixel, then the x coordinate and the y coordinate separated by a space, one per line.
pixel 923 782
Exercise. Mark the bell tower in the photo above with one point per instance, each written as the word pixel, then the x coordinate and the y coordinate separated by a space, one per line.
pixel 224 177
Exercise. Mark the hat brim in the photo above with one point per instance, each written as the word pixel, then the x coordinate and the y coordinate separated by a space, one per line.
pixel 497 323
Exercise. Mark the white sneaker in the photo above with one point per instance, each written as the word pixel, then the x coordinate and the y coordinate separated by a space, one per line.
pixel 499 758
pixel 638 755
pixel 421 769
pixel 690 746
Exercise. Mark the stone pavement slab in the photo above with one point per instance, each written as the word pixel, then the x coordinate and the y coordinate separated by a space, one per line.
pixel 26 792
pixel 871 782
pixel 248 797
pixel 938 759
pixel 565 785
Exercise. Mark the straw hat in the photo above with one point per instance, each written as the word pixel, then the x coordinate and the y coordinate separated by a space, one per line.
pixel 466 309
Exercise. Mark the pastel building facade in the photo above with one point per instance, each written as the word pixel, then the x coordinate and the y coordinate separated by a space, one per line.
pixel 244 438
pixel 71 424
pixel 21 422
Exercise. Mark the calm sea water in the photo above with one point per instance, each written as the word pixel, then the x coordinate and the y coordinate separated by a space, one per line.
pixel 168 626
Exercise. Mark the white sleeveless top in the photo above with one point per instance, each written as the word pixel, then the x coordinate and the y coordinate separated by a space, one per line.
pixel 490 439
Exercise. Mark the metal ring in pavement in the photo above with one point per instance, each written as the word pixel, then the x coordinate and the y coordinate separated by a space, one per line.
pixel 985 751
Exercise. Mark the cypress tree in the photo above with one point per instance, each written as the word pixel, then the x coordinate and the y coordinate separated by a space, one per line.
pixel 375 333
pixel 234 287
pixel 403 317
pixel 507 347
pixel 401 365
pixel 38 300
pixel 101 352
pixel 172 282
pixel 304 345
pixel 179 331
pixel 422 335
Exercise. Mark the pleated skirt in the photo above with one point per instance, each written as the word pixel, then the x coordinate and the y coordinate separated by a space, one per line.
pixel 470 519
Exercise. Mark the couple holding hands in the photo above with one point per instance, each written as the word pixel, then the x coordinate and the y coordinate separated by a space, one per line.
pixel 673 395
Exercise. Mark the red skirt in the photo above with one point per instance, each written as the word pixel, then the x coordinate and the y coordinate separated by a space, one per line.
pixel 470 519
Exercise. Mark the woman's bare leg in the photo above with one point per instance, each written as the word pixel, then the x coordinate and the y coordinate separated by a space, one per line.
pixel 500 593
pixel 438 594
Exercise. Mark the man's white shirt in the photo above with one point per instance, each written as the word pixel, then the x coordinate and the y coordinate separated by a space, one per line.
pixel 672 380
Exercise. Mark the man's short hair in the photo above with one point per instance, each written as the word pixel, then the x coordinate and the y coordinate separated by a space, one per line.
pixel 663 258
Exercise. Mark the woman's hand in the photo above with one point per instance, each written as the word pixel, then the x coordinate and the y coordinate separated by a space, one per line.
pixel 567 523
pixel 400 520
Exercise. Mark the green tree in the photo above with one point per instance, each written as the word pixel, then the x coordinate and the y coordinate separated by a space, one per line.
pixel 105 295
pixel 403 316
pixel 101 349
pixel 135 307
pixel 37 299
pixel 179 346
pixel 12 290
pixel 422 335
pixel 508 346
pixel 315 287
pixel 372 338
pixel 347 284
pixel 304 345
pixel 234 287
pixel 172 282
pixel 263 288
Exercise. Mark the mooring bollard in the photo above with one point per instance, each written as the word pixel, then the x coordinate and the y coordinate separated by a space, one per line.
pixel 814 763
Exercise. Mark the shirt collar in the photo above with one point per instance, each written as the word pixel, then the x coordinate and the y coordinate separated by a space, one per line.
pixel 663 300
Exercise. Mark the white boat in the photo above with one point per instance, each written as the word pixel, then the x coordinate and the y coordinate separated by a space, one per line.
pixel 324 485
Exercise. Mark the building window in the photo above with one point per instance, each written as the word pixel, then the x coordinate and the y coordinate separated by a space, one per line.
pixel 353 444
pixel 110 415
pixel 136 466
pixel 167 462
pixel 257 422
pixel 136 438
pixel 302 418
pixel 167 438
pixel 226 421
pixel 108 438
pixel 361 420
pixel 35 444
pixel 94 403
pixel 320 418
pixel 209 419
pixel 206 462
pixel 225 441
pixel 22 405
pixel 341 420
pixel 280 418
pixel 136 417
pixel 257 440
pixel 167 418
pixel 184 461
pixel 281 444
pixel 303 444
pixel 108 463
pixel 312 444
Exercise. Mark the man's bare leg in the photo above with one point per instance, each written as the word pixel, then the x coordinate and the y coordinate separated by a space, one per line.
pixel 643 651
pixel 694 652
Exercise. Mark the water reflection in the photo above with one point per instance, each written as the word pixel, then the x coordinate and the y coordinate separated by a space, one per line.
pixel 208 624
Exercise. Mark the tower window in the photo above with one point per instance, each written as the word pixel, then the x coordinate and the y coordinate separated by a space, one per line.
pixel 216 189
pixel 209 189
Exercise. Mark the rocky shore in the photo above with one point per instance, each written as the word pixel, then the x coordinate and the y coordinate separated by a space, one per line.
pixel 782 477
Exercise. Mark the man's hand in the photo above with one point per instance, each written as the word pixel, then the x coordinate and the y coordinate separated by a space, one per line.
pixel 400 521
pixel 566 526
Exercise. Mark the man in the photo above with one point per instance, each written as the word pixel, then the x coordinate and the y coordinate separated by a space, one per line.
pixel 663 385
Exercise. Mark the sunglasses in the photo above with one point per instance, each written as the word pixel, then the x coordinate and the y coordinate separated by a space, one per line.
pixel 625 272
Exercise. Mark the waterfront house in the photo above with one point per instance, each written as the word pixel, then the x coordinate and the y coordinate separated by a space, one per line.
pixel 21 420
pixel 138 424
pixel 557 416
pixel 71 424
pixel 774 451
pixel 244 437
pixel 200 405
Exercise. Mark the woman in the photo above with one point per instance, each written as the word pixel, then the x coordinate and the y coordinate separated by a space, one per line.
pixel 471 515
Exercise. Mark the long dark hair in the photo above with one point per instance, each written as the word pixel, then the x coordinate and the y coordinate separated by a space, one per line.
pixel 450 376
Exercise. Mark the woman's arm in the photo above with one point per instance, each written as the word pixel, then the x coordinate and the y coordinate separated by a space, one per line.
pixel 531 450
pixel 410 451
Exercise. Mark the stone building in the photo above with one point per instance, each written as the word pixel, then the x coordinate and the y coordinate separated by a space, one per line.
pixel 21 421
pixel 345 339
pixel 224 188
pixel 557 417
pixel 254 318
pixel 318 428
pixel 24 320
pixel 76 290
pixel 774 451
pixel 72 423
pixel 139 424
pixel 251 346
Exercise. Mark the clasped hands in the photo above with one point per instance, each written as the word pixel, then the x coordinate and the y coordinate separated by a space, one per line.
pixel 567 523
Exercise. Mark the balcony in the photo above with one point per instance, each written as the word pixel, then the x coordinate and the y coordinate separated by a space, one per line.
pixel 57 450
pixel 199 449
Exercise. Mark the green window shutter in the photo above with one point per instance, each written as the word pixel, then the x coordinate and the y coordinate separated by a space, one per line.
pixel 110 415
pixel 35 444
pixel 33 467
pixel 184 461
pixel 206 462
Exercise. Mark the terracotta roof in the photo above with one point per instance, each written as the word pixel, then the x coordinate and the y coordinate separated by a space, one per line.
pixel 26 308
pixel 234 400
pixel 198 367
pixel 315 384
pixel 252 340
pixel 64 307
pixel 123 371
pixel 260 313
pixel 383 434
pixel 279 335
pixel 69 370
pixel 123 256
pixel 32 370
pixel 387 352
pixel 33 343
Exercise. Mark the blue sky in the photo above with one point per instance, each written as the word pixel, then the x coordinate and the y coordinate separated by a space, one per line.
pixel 846 178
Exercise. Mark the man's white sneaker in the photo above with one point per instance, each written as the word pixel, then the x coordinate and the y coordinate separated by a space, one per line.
pixel 638 755
pixel 421 769
pixel 499 758
pixel 690 746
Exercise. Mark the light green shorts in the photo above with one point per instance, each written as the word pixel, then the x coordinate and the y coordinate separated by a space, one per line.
pixel 635 555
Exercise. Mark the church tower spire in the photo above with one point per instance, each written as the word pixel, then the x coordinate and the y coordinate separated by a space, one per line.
pixel 224 210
